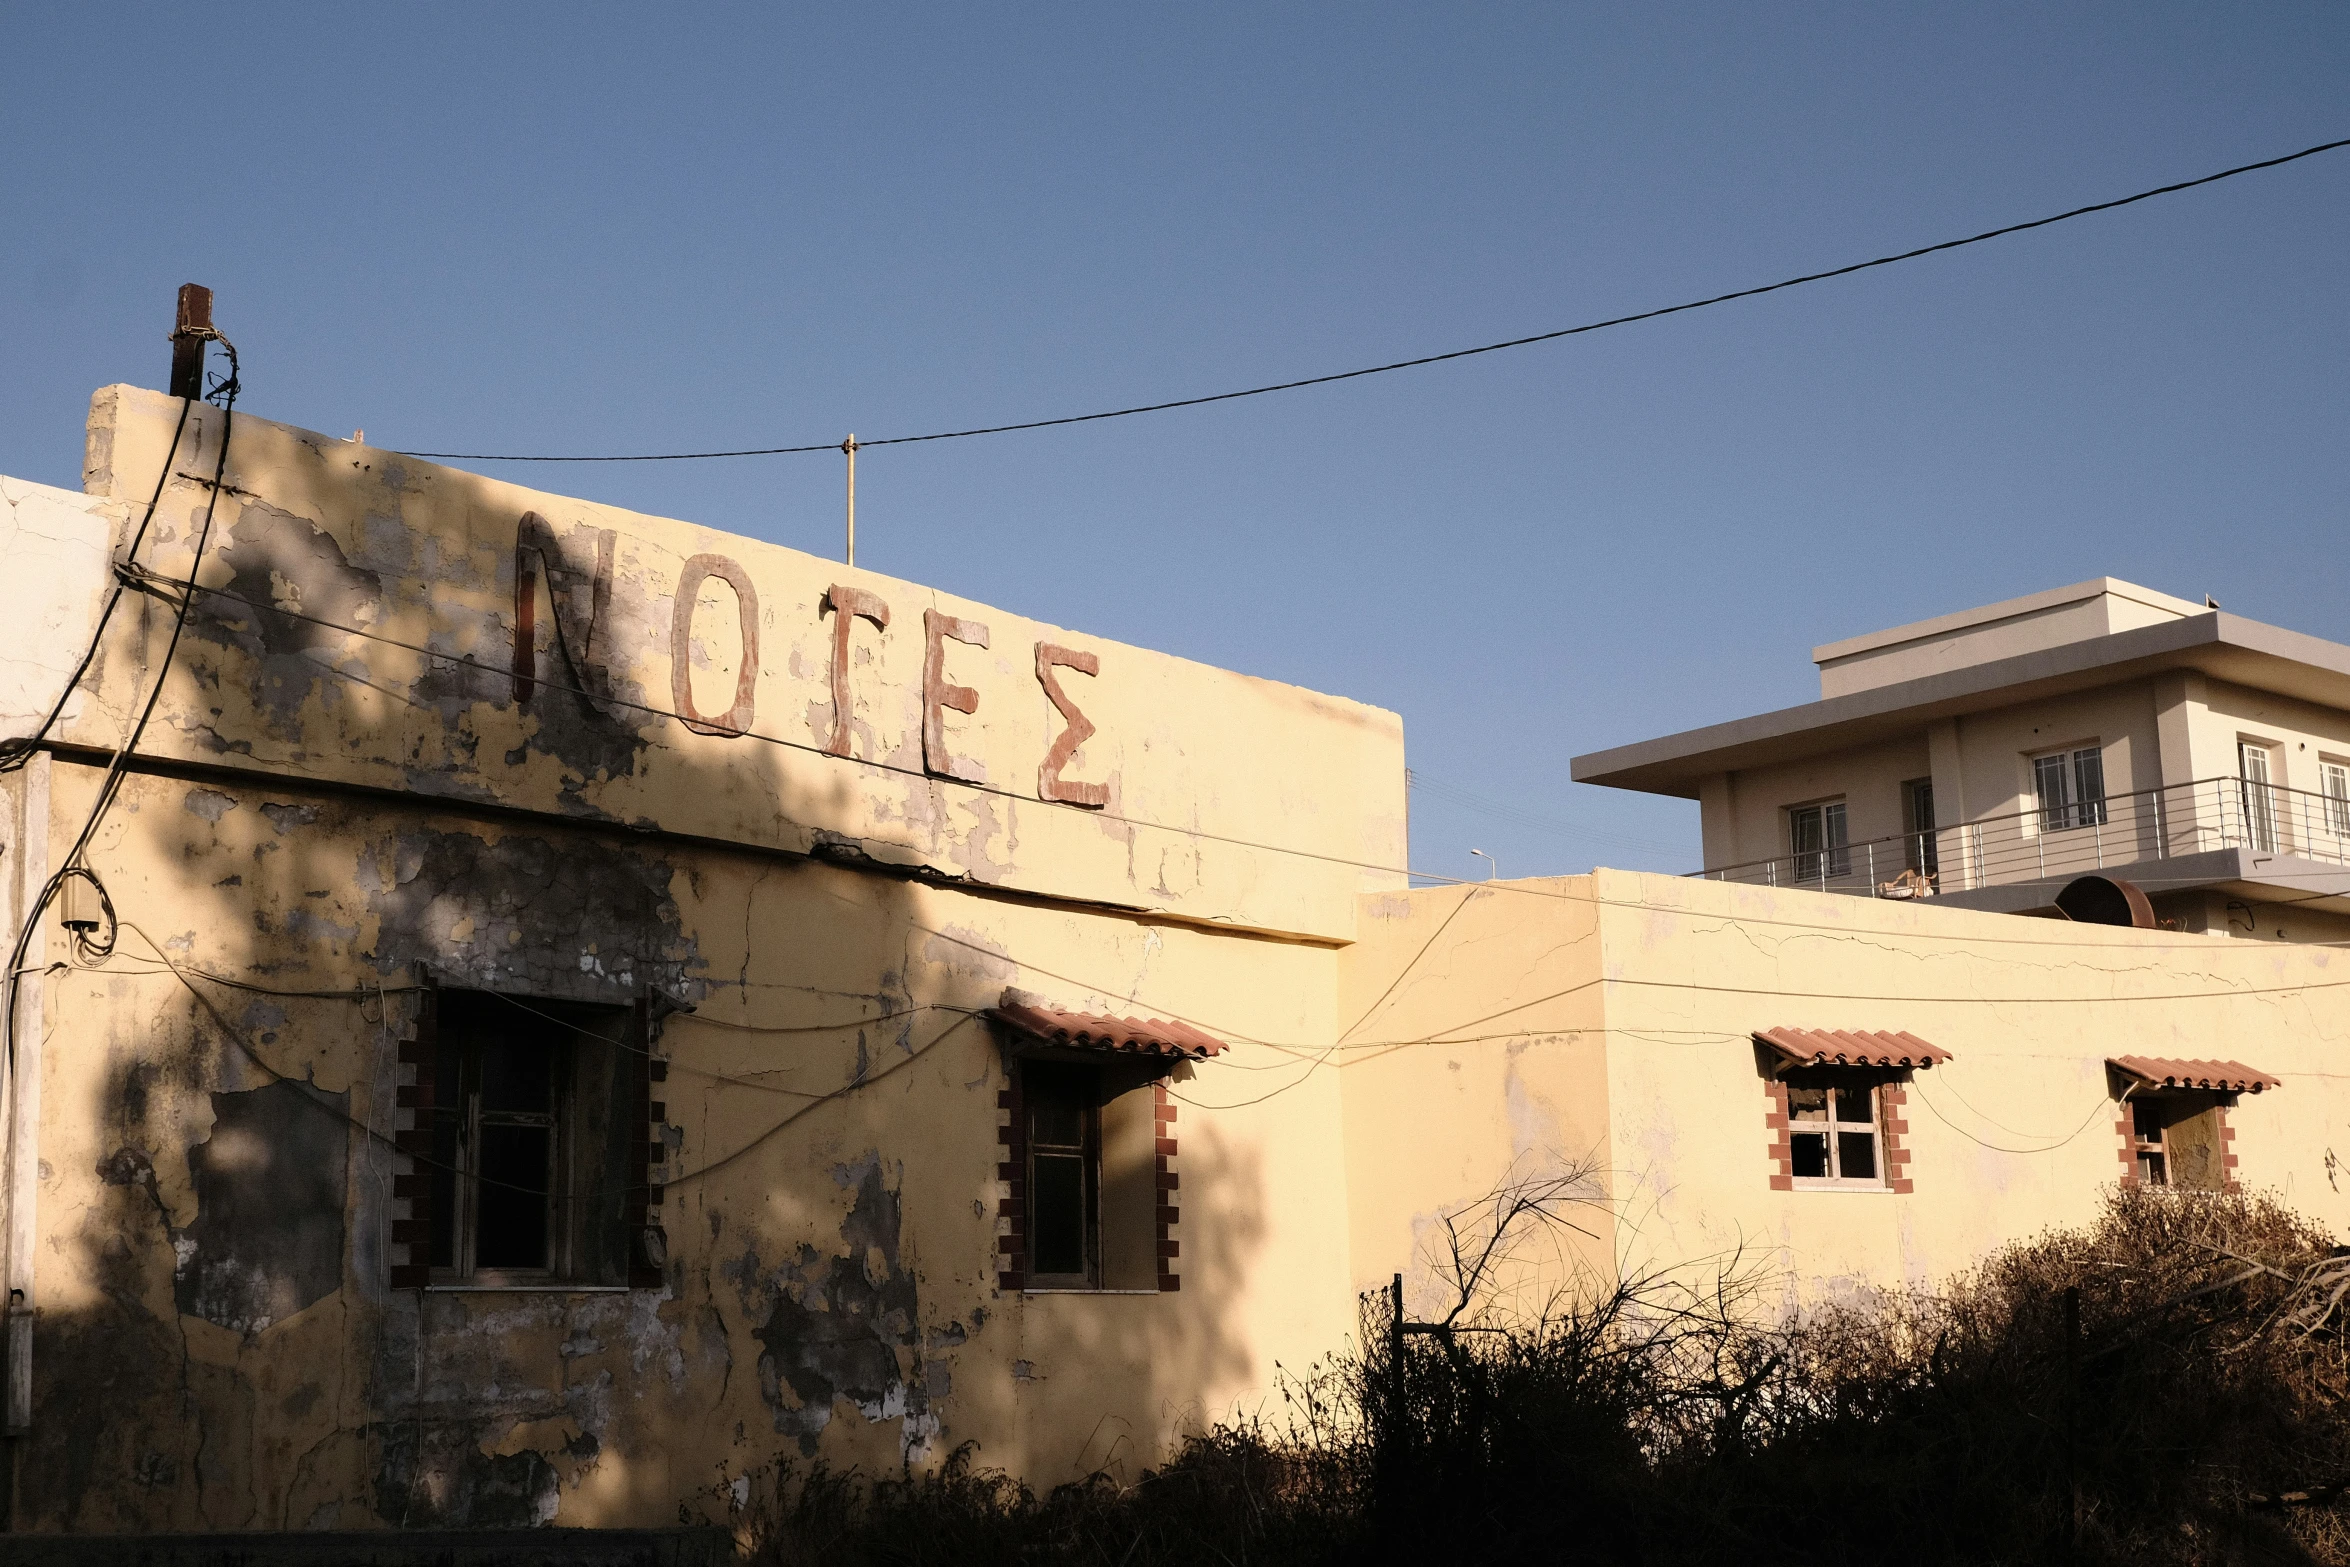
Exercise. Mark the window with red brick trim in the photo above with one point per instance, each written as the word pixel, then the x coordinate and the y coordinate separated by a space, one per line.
pixel 1088 1189
pixel 1838 1128
pixel 2177 1139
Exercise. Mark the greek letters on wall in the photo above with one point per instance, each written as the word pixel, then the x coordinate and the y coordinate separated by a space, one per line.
pixel 576 574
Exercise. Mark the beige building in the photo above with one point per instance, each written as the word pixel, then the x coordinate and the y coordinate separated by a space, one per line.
pixel 524 1012
pixel 1992 756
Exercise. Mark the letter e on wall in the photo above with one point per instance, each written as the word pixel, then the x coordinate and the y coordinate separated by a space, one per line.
pixel 938 696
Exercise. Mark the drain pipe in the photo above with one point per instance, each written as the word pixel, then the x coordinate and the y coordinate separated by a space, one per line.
pixel 28 873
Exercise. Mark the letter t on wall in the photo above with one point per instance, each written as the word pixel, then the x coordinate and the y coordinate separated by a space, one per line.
pixel 937 695
pixel 846 604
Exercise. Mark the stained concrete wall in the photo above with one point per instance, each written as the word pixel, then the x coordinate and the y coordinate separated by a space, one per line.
pixel 2015 1134
pixel 343 782
pixel 1611 1018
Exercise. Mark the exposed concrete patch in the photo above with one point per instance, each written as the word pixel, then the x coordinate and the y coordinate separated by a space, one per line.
pixel 435 1475
pixel 285 818
pixel 286 567
pixel 210 804
pixel 267 1239
pixel 847 1327
pixel 584 921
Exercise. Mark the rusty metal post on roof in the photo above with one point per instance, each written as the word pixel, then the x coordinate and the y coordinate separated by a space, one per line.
pixel 849 449
pixel 188 336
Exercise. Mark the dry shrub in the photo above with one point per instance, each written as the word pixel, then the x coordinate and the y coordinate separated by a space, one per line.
pixel 2166 1385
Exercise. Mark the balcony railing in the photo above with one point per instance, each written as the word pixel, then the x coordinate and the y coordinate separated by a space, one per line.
pixel 2067 841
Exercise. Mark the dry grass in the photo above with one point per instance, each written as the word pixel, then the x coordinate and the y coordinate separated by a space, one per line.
pixel 2167 1385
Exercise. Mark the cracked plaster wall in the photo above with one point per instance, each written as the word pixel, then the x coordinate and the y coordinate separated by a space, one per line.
pixel 328 545
pixel 218 1346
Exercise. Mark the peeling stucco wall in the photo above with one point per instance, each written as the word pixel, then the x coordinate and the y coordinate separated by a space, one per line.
pixel 323 817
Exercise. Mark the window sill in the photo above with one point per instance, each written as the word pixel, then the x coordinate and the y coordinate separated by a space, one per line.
pixel 1815 1184
pixel 549 1288
pixel 1080 1289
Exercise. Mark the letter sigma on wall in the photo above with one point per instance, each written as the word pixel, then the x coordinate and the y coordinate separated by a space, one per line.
pixel 1050 785
pixel 736 721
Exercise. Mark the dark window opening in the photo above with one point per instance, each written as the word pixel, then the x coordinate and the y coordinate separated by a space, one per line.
pixel 531 1177
pixel 1832 1130
pixel 1064 1175
pixel 1917 810
pixel 1818 836
pixel 2175 1141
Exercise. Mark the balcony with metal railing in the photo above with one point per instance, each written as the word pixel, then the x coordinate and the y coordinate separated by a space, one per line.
pixel 2208 832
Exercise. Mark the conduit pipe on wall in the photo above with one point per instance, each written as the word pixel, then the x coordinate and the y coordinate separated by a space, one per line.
pixel 26 871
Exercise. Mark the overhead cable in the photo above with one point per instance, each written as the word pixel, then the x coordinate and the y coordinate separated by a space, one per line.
pixel 1424 359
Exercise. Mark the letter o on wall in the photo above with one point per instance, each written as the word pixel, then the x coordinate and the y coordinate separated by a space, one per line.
pixel 736 721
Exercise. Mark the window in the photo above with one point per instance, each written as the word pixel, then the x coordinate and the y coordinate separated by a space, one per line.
pixel 531 1171
pixel 1832 1129
pixel 1064 1177
pixel 2334 780
pixel 2175 1141
pixel 2260 806
pixel 1091 1213
pixel 1917 823
pixel 2069 788
pixel 1816 834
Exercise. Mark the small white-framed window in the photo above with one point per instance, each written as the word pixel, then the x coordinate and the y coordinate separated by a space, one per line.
pixel 1832 1131
pixel 2333 779
pixel 1817 836
pixel 2259 799
pixel 2068 788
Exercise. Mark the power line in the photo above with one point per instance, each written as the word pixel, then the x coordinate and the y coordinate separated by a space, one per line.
pixel 1426 359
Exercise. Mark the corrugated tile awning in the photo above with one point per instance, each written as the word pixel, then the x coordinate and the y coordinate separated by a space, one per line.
pixel 2227 1077
pixel 1845 1047
pixel 1126 1035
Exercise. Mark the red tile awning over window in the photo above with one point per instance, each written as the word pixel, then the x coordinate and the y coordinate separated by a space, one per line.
pixel 1845 1047
pixel 1125 1035
pixel 2227 1077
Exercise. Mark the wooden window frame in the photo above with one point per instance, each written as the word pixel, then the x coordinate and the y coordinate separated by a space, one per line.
pixel 2134 1146
pixel 1088 1152
pixel 1014 1175
pixel 1889 1105
pixel 635 1249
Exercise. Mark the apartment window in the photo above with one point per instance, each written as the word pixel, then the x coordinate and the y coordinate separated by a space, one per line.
pixel 530 1168
pixel 2175 1141
pixel 2259 799
pixel 2069 788
pixel 1917 825
pixel 1817 836
pixel 2334 780
pixel 1832 1129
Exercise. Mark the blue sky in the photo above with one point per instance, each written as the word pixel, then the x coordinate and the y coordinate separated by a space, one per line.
pixel 599 228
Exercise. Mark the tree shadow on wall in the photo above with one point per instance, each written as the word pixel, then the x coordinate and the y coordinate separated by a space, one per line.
pixel 220 1346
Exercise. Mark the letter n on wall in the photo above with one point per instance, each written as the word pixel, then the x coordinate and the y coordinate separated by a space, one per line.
pixel 579 598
